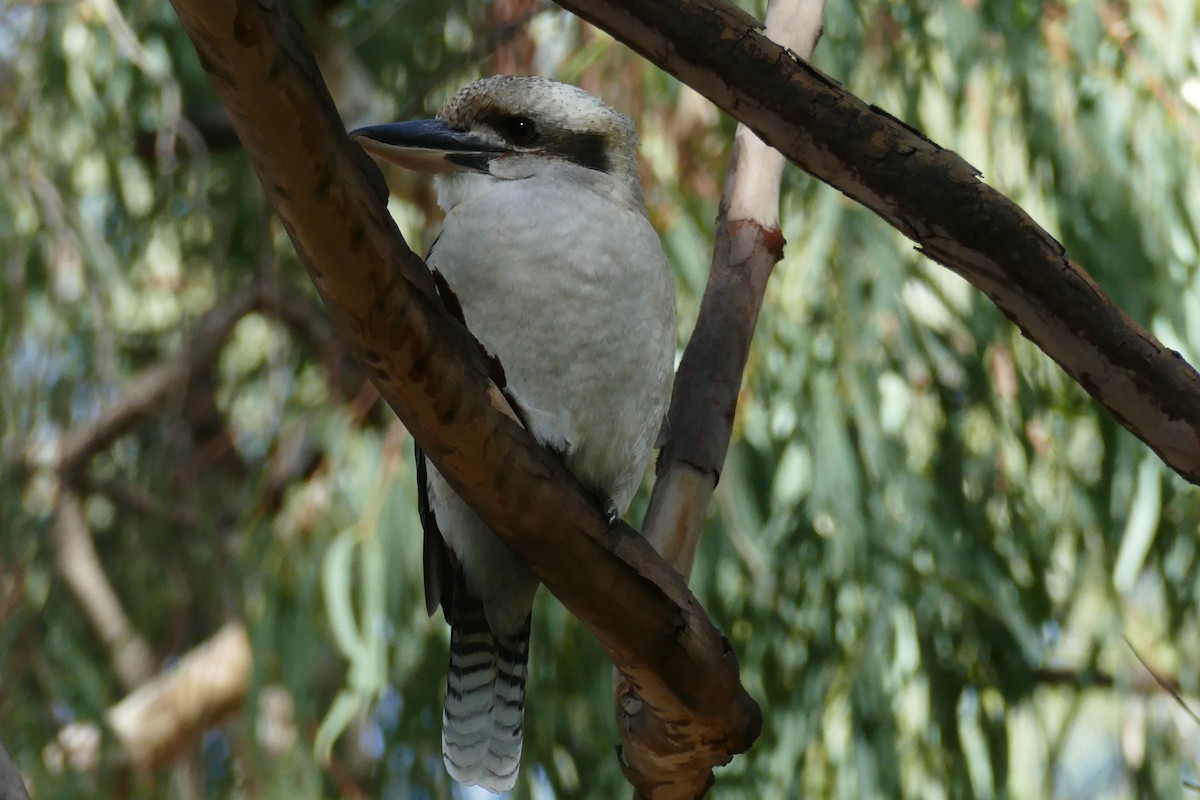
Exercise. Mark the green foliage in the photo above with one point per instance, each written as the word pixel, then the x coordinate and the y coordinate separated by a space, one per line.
pixel 927 542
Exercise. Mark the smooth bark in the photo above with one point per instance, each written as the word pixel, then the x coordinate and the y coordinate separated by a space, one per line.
pixel 704 401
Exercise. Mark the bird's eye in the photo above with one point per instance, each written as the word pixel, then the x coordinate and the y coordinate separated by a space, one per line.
pixel 519 130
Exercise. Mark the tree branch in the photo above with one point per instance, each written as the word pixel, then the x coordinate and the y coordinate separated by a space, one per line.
pixel 930 195
pixel 163 718
pixel 12 787
pixel 144 392
pixel 80 568
pixel 330 197
pixel 75 553
pixel 748 245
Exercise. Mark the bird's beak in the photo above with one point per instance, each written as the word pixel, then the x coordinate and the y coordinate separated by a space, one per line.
pixel 427 145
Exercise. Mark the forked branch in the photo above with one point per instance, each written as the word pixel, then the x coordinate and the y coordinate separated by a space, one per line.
pixel 426 365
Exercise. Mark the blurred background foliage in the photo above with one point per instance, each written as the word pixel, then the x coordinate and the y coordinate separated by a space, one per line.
pixel 928 545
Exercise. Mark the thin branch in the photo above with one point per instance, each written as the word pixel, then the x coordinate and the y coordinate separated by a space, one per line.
pixel 696 436
pixel 331 199
pixel 930 195
pixel 146 391
pixel 1168 685
pixel 75 553
pixel 1093 678
pixel 80 568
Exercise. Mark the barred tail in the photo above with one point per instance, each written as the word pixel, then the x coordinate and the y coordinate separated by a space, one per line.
pixel 485 698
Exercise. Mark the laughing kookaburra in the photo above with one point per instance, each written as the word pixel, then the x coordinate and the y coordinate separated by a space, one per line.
pixel 549 251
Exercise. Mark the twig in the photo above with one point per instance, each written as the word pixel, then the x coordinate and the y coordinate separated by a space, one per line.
pixel 1167 685
pixel 1085 678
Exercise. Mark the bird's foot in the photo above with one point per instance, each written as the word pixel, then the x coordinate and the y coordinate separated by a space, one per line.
pixel 611 516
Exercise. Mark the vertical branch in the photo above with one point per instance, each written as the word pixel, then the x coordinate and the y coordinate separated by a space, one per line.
pixel 748 245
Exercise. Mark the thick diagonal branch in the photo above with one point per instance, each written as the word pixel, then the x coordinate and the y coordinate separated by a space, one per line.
pixel 930 195
pixel 426 365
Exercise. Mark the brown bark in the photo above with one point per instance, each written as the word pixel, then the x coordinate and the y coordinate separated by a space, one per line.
pixel 705 394
pixel 707 385
pixel 930 195
pixel 428 368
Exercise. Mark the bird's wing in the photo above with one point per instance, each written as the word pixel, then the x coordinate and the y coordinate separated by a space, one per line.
pixel 435 556
pixel 439 569
pixel 552 429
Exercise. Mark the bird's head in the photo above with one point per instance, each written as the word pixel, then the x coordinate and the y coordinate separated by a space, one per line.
pixel 510 128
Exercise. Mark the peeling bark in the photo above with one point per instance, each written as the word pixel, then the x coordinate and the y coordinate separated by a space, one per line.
pixel 704 401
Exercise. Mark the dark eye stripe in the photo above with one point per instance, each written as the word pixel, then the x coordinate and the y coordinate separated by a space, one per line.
pixel 585 149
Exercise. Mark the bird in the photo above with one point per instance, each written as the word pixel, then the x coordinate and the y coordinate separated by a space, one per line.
pixel 549 255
